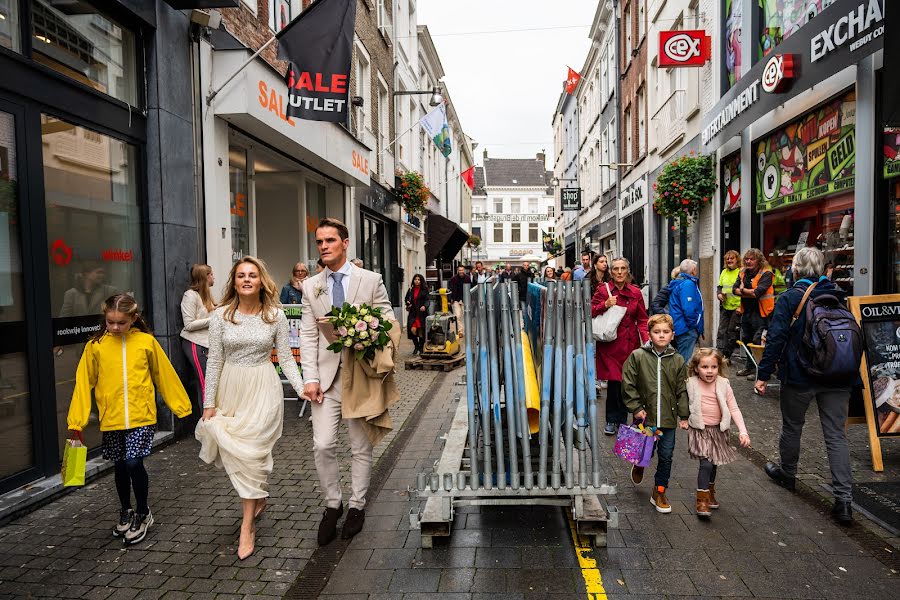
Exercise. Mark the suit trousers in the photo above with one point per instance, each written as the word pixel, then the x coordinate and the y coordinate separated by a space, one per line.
pixel 326 417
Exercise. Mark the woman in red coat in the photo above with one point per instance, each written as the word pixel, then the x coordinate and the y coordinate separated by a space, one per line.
pixel 632 332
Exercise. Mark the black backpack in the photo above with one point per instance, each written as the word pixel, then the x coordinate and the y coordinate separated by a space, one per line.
pixel 832 346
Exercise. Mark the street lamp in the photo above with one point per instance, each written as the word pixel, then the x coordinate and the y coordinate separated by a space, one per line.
pixel 436 97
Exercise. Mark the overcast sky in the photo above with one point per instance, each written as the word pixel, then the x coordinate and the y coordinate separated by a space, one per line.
pixel 505 86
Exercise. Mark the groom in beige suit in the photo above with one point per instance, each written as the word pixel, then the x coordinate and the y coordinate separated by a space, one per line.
pixel 339 282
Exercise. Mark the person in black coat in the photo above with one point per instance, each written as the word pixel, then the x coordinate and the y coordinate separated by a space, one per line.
pixel 417 310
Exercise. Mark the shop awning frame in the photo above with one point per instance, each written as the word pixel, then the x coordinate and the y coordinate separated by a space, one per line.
pixel 443 238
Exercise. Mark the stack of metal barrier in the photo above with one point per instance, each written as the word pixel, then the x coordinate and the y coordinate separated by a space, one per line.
pixel 502 453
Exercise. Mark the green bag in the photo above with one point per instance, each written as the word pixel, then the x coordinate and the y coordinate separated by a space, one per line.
pixel 74 462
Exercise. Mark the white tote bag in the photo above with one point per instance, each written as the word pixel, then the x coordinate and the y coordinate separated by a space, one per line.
pixel 604 326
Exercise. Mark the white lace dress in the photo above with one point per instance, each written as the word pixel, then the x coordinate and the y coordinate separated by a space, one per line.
pixel 242 384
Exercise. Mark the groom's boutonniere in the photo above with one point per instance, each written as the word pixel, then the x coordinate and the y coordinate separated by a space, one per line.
pixel 319 290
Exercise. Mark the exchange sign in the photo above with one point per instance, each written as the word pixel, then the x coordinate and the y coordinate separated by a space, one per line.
pixel 688 48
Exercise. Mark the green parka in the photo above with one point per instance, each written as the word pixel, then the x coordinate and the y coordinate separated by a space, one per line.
pixel 649 379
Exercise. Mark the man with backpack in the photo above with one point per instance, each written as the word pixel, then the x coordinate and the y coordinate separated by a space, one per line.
pixel 816 344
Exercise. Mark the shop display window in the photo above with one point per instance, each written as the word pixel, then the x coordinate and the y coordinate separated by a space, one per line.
pixel 94 229
pixel 826 224
pixel 891 149
pixel 80 42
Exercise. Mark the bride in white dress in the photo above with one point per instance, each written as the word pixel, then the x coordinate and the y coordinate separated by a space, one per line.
pixel 243 409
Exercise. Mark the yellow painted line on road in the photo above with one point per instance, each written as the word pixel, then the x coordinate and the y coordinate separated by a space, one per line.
pixel 589 571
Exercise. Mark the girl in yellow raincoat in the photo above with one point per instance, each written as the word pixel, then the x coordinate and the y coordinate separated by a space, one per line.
pixel 123 365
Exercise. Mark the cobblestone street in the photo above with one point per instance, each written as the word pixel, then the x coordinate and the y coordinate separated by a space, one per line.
pixel 763 542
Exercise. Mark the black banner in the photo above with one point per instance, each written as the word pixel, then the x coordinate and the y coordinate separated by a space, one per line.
pixel 319 46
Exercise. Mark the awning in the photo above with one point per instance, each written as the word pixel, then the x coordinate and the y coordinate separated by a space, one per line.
pixel 443 238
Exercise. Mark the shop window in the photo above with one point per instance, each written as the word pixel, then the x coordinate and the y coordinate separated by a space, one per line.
pixel 732 45
pixel 633 244
pixel 240 202
pixel 16 441
pixel 9 25
pixel 891 150
pixel 826 224
pixel 94 228
pixel 78 41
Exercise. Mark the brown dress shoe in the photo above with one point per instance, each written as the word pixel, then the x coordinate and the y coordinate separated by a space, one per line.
pixel 658 499
pixel 703 503
pixel 713 503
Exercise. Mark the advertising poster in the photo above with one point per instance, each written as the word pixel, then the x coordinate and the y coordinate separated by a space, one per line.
pixel 292 312
pixel 879 319
pixel 891 153
pixel 731 182
pixel 782 18
pixel 810 158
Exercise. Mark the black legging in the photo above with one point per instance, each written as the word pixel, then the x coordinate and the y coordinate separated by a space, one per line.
pixel 131 473
pixel 706 475
pixel 615 408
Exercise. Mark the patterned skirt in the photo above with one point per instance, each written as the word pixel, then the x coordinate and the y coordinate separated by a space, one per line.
pixel 711 443
pixel 126 444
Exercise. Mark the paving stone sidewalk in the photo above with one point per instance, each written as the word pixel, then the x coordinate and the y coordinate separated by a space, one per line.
pixel 762 543
pixel 763 417
pixel 65 549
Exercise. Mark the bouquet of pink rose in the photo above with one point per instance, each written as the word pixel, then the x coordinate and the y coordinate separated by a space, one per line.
pixel 360 329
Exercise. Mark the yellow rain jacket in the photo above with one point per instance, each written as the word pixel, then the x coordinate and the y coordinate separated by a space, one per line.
pixel 122 370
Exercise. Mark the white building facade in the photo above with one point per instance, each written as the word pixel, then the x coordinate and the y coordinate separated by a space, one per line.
pixel 517 207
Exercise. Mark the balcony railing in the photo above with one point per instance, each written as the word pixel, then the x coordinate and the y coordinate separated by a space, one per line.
pixel 669 121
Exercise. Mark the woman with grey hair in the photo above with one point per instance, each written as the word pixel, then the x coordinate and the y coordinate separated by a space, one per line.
pixel 631 333
pixel 799 388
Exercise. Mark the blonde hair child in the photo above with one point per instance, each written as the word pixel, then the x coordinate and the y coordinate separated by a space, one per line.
pixel 713 408
pixel 123 365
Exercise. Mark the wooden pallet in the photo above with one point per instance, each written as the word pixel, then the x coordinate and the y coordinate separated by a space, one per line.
pixel 435 364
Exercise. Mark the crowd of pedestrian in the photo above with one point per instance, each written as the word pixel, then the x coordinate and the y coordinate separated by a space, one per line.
pixel 652 369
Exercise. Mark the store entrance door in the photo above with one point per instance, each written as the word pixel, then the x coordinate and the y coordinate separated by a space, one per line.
pixel 379 250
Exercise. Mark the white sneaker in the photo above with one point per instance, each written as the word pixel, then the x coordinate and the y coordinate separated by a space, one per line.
pixel 124 524
pixel 139 526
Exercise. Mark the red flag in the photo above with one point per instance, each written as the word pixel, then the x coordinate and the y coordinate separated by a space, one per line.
pixel 469 177
pixel 572 81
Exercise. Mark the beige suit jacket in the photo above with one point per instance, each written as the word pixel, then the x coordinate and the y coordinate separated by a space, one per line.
pixel 317 361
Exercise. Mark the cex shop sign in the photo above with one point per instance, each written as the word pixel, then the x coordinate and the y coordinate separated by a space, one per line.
pixel 688 48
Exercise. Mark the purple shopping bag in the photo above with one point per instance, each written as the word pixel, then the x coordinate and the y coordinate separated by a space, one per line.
pixel 633 446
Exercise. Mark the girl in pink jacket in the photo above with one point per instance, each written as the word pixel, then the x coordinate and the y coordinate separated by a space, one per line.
pixel 713 408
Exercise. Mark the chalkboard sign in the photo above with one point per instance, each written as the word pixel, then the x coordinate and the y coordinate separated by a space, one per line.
pixel 879 320
pixel 293 313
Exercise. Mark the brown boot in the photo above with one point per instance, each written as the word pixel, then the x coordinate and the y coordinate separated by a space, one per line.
pixel 703 503
pixel 713 503
pixel 658 499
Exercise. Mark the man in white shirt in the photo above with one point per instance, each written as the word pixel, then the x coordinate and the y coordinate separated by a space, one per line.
pixel 339 282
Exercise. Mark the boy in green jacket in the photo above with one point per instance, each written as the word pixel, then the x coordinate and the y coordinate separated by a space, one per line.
pixel 653 389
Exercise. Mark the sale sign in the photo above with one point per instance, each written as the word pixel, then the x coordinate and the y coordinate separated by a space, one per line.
pixel 687 48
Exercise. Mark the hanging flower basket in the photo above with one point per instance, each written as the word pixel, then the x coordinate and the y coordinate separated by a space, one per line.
pixel 684 187
pixel 413 193
pixel 474 241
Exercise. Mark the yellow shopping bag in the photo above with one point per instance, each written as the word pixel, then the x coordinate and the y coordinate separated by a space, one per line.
pixel 74 461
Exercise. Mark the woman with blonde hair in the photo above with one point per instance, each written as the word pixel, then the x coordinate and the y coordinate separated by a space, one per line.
pixel 755 288
pixel 243 408
pixel 196 305
pixel 729 315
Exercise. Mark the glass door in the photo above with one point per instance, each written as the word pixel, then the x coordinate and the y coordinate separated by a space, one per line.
pixel 16 419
